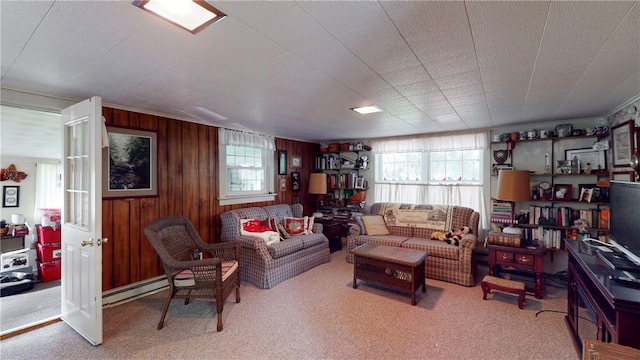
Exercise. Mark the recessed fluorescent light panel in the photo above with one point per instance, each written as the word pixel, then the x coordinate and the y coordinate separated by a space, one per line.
pixel 191 15
pixel 367 109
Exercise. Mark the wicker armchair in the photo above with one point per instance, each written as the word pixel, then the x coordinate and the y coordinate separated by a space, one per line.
pixel 180 249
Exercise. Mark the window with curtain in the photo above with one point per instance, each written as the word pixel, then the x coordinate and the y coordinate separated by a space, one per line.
pixel 246 167
pixel 48 189
pixel 432 169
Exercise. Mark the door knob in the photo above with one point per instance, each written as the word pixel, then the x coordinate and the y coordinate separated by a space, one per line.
pixel 103 241
pixel 87 242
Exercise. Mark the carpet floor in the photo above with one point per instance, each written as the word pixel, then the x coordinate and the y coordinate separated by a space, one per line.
pixel 41 302
pixel 318 315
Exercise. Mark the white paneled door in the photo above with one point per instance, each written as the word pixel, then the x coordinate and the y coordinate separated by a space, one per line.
pixel 82 219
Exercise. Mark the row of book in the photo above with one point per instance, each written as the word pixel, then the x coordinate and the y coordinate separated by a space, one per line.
pixel 566 216
pixel 349 180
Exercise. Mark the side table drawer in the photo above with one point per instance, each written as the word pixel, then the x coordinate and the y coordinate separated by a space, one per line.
pixel 504 256
pixel 527 260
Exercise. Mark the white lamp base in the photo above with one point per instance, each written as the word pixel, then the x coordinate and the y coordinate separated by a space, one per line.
pixel 512 230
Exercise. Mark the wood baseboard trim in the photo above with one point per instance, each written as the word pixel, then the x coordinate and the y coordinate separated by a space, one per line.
pixel 30 327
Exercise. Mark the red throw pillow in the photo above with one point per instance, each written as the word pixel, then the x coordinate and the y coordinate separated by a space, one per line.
pixel 298 226
pixel 255 226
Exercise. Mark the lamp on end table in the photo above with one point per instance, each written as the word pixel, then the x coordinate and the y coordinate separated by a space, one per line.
pixel 318 186
pixel 513 185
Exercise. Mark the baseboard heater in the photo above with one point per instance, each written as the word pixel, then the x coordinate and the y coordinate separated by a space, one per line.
pixel 134 291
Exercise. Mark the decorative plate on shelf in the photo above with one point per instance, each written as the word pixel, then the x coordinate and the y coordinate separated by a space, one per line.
pixel 500 156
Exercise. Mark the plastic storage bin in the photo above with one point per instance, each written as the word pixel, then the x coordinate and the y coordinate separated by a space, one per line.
pixel 49 235
pixel 49 271
pixel 50 252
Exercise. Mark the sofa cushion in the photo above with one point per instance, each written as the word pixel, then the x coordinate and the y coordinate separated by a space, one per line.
pixel 286 247
pixel 389 240
pixel 435 248
pixel 374 225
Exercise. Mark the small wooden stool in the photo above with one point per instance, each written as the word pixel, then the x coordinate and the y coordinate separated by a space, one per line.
pixel 509 286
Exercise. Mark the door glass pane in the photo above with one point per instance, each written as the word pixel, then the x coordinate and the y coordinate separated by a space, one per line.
pixel 76 162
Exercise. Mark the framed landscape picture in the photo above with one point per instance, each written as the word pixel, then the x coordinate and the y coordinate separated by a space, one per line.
pixel 130 164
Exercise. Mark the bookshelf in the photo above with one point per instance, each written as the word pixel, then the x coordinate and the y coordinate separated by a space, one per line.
pixel 344 174
pixel 547 217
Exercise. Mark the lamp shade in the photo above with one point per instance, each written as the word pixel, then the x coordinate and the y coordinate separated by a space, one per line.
pixel 318 183
pixel 513 185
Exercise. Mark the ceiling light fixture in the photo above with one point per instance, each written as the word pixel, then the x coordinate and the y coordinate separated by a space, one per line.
pixel 367 109
pixel 191 15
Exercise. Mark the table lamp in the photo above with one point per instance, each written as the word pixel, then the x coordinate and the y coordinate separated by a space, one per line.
pixel 513 185
pixel 318 186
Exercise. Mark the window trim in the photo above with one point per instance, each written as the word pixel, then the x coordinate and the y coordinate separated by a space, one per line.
pixel 236 138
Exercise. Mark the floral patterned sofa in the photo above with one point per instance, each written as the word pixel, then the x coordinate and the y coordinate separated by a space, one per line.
pixel 264 265
pixel 411 226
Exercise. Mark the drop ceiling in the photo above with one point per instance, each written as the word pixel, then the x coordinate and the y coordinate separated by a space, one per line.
pixel 294 69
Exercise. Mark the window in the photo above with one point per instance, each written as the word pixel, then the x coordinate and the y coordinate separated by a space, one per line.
pixel 431 169
pixel 246 160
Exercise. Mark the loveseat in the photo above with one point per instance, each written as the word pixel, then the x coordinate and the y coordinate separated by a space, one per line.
pixel 411 226
pixel 268 265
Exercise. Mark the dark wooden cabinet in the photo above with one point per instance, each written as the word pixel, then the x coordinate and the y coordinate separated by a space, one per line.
pixel 334 230
pixel 598 307
pixel 518 258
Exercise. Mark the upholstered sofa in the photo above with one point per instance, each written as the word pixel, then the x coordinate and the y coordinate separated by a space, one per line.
pixel 268 265
pixel 411 226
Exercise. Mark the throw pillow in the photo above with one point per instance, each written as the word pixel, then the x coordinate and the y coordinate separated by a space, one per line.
pixel 297 226
pixel 374 225
pixel 283 233
pixel 358 219
pixel 253 227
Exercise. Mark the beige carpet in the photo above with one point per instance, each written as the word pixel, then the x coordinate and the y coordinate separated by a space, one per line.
pixel 318 315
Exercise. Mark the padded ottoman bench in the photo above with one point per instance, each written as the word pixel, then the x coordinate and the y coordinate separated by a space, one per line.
pixel 509 286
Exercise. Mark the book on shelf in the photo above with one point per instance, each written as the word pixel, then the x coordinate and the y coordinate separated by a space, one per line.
pixel 566 216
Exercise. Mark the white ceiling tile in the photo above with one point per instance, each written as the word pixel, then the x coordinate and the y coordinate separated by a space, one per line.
pixel 293 29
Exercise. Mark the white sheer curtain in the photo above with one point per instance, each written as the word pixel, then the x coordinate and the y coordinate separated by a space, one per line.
pixel 469 195
pixel 48 188
pixel 241 138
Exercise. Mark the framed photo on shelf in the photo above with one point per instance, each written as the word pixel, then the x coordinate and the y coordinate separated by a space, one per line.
pixel 295 181
pixel 562 192
pixel 10 196
pixel 359 183
pixel 296 161
pixel 622 176
pixel 130 164
pixel 282 162
pixel 586 194
pixel 622 139
pixel 595 158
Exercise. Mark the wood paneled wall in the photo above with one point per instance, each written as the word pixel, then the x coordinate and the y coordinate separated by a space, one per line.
pixel 187 185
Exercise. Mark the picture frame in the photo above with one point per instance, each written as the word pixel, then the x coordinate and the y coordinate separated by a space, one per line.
pixel 562 192
pixel 596 158
pixel 130 164
pixel 295 181
pixel 359 184
pixel 283 184
pixel 622 140
pixel 586 194
pixel 622 176
pixel 282 162
pixel 10 196
pixel 296 161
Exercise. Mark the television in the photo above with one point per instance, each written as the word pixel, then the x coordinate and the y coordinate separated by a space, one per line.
pixel 624 222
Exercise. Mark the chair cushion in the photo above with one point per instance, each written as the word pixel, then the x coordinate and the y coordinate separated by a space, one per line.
pixel 186 278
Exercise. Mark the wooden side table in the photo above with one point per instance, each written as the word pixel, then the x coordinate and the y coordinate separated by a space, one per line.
pixel 334 230
pixel 518 258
